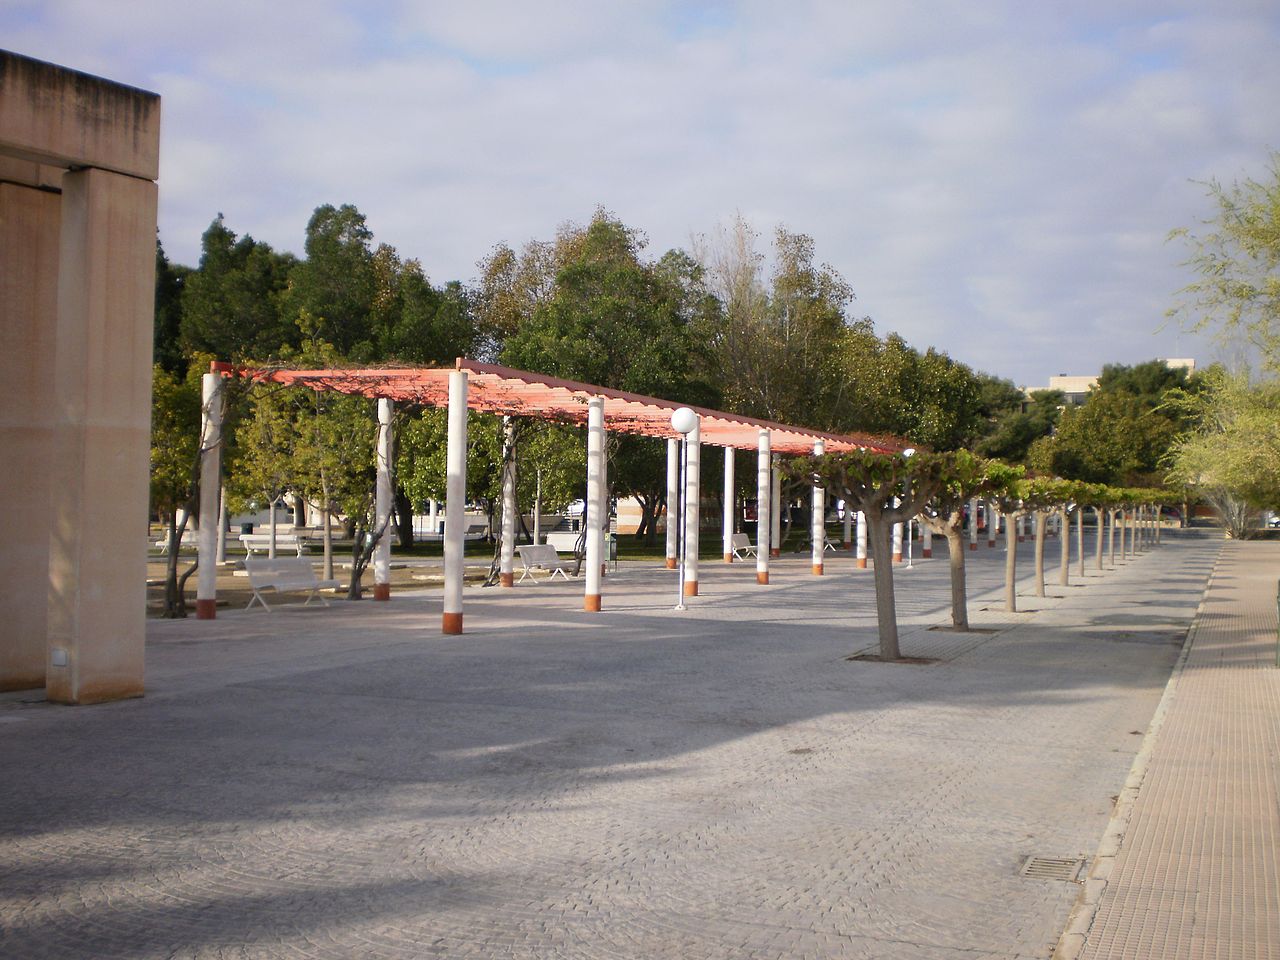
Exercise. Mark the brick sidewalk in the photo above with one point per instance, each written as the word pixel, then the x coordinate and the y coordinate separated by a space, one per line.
pixel 1197 874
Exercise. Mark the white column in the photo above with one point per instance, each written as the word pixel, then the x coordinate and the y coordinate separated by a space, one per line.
pixel 818 525
pixel 729 453
pixel 455 502
pixel 993 524
pixel 382 504
pixel 764 498
pixel 973 524
pixel 673 500
pixel 537 508
pixel 692 496
pixel 433 516
pixel 775 512
pixel 595 504
pixel 210 475
pixel 847 539
pixel 605 504
pixel 861 537
pixel 897 543
pixel 926 541
pixel 1022 526
pixel 506 558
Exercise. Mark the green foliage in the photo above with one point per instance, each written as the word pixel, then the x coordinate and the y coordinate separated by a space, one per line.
pixel 170 279
pixel 231 303
pixel 175 438
pixel 1232 457
pixel 337 283
pixel 1010 436
pixel 1237 290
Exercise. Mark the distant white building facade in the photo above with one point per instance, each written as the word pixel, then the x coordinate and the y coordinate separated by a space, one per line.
pixel 1076 387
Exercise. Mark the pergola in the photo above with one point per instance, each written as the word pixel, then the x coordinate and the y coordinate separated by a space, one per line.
pixel 509 393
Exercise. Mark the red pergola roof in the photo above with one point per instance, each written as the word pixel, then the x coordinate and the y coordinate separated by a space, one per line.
pixel 501 390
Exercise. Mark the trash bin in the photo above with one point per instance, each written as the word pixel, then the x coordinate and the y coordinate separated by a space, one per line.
pixel 246 528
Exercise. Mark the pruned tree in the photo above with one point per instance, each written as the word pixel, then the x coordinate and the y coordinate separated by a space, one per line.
pixel 888 489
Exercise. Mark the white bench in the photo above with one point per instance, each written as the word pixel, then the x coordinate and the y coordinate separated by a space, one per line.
pixel 474 530
pixel 542 556
pixel 283 574
pixel 261 543
pixel 741 546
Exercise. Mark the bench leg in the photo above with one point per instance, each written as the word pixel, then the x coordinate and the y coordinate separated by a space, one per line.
pixel 258 597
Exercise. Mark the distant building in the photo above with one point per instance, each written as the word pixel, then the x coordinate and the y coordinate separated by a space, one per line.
pixel 1076 387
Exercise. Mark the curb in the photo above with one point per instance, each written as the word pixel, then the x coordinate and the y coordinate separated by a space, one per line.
pixel 1072 942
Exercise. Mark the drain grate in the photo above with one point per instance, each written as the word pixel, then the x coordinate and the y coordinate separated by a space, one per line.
pixel 1052 868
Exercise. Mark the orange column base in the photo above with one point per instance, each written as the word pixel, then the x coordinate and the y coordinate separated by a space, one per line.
pixel 991 543
pixel 506 579
pixel 206 609
pixel 382 591
pixel 762 577
pixel 451 623
pixel 897 558
pixel 862 563
pixel 775 551
pixel 926 554
pixel 1022 539
pixel 973 546
pixel 591 603
pixel 728 558
pixel 848 546
pixel 817 569
pixel 691 588
pixel 671 563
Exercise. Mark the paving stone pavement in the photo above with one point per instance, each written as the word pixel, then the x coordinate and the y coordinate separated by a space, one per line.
pixel 1197 874
pixel 348 783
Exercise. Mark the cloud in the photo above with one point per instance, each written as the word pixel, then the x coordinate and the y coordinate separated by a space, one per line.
pixel 996 181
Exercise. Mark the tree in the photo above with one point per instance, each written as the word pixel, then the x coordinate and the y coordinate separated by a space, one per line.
pixel 337 283
pixel 1232 457
pixel 964 477
pixel 170 279
pixel 1237 290
pixel 175 468
pixel 1014 431
pixel 888 489
pixel 231 304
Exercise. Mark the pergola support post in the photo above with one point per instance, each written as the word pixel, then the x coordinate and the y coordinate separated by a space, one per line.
pixel 595 503
pixel 847 538
pixel 382 504
pixel 673 501
pixel 973 524
pixel 993 523
pixel 818 518
pixel 506 558
pixel 210 488
pixel 728 503
pixel 455 503
pixel 897 542
pixel 861 540
pixel 764 503
pixel 926 541
pixel 692 498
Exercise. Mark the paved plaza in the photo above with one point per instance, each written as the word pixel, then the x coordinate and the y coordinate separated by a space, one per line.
pixel 722 782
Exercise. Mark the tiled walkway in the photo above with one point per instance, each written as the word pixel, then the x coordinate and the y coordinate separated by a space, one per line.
pixel 1198 872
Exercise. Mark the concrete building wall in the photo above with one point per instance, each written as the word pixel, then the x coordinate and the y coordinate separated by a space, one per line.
pixel 78 157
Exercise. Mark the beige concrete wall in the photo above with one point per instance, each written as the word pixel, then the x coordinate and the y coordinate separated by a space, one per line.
pixel 28 303
pixel 102 408
pixel 66 118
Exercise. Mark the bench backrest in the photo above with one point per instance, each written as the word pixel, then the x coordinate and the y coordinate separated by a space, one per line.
pixel 739 540
pixel 266 572
pixel 534 553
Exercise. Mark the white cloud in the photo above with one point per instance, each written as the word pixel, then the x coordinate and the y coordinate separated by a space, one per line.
pixel 996 181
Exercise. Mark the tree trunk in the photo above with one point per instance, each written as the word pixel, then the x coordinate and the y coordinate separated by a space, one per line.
pixel 959 594
pixel 404 517
pixel 1111 539
pixel 1097 513
pixel 355 588
pixel 1011 563
pixel 1064 548
pixel 173 607
pixel 1080 537
pixel 1040 516
pixel 886 607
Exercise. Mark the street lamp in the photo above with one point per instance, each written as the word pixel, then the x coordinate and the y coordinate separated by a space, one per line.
pixel 683 421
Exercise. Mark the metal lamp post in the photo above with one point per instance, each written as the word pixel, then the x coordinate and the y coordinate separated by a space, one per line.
pixel 683 421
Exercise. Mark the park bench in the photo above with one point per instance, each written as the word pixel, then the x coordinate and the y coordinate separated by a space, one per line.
pixel 742 546
pixel 285 574
pixel 474 530
pixel 261 543
pixel 542 556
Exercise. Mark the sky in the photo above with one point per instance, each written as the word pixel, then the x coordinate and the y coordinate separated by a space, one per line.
pixel 994 179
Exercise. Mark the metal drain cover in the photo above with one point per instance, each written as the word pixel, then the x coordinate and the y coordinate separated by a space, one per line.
pixel 1052 868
